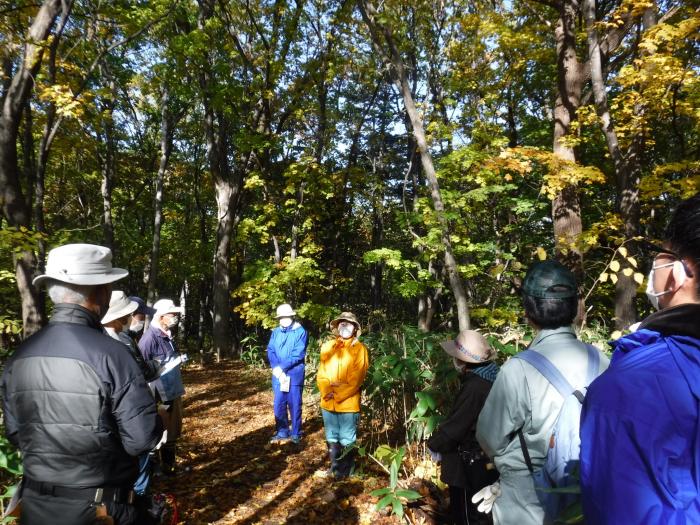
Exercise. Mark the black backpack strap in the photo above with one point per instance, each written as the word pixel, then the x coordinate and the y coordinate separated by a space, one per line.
pixel 526 454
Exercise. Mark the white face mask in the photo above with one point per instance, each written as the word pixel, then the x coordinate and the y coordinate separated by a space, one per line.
pixel 346 331
pixel 137 326
pixel 653 295
pixel 285 322
pixel 172 321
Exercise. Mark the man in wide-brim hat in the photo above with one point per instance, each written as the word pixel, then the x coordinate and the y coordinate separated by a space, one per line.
pixel 75 403
pixel 341 372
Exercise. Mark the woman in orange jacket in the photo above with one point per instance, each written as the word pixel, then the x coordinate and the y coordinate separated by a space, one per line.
pixel 341 372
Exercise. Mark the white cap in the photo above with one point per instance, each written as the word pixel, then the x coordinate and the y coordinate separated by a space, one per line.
pixel 82 264
pixel 285 310
pixel 119 306
pixel 166 306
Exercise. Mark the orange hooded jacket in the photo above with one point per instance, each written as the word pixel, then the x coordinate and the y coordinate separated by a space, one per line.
pixel 343 361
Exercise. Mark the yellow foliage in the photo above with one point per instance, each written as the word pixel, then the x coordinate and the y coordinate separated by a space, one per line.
pixel 63 98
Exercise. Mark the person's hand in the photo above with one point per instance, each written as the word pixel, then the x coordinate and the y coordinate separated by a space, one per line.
pixel 329 396
pixel 487 496
pixel 277 372
pixel 435 456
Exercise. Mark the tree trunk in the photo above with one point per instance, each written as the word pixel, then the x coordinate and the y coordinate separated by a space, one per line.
pixel 108 165
pixel 392 55
pixel 566 208
pixel 166 144
pixel 217 157
pixel 14 206
pixel 627 172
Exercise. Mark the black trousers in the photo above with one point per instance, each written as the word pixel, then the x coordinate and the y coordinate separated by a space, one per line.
pixel 49 510
pixel 462 510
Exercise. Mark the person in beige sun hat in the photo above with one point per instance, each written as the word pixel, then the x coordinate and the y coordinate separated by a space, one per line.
pixel 465 468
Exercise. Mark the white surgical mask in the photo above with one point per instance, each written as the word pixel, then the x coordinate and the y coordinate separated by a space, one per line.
pixel 346 331
pixel 137 326
pixel 285 322
pixel 172 322
pixel 652 294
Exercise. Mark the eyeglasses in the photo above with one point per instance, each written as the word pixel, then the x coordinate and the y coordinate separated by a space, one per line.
pixel 660 251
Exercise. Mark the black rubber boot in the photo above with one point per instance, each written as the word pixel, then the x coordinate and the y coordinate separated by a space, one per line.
pixel 334 451
pixel 346 463
pixel 167 459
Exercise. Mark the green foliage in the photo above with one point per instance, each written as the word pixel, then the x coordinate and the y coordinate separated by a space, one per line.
pixel 393 495
pixel 297 281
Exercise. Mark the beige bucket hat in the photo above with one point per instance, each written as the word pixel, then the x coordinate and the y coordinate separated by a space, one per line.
pixel 469 346
pixel 119 306
pixel 285 310
pixel 82 264
pixel 350 318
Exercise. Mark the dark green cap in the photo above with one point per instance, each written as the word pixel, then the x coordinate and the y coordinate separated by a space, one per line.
pixel 549 280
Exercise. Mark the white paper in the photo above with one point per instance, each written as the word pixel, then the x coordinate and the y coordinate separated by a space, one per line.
pixel 285 382
pixel 169 365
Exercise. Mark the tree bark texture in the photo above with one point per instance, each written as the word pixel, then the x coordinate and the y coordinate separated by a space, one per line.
pixel 627 171
pixel 392 54
pixel 166 146
pixel 566 208
pixel 14 206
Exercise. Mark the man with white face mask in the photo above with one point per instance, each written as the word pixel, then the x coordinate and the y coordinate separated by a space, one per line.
pixel 286 352
pixel 640 447
pixel 157 343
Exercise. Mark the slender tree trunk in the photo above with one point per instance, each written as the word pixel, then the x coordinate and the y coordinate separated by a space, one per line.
pixel 566 207
pixel 166 144
pixel 627 172
pixel 14 206
pixel 368 14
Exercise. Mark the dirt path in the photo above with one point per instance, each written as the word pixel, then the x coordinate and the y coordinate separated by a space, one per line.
pixel 230 473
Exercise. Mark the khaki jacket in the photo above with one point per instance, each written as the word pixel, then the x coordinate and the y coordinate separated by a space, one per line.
pixel 522 398
pixel 343 361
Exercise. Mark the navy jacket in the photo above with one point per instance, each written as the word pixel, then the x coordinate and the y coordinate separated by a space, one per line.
pixel 77 405
pixel 156 344
pixel 640 426
pixel 287 349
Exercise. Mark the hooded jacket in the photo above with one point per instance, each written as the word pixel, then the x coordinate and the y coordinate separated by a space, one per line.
pixel 640 426
pixel 342 361
pixel 287 349
pixel 77 405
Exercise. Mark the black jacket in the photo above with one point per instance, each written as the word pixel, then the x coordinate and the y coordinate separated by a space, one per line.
pixel 77 405
pixel 460 429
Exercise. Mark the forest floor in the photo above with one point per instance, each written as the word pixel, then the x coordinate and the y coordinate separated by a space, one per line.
pixel 229 473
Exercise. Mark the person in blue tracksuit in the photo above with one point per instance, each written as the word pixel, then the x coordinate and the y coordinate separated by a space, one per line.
pixel 286 352
pixel 640 424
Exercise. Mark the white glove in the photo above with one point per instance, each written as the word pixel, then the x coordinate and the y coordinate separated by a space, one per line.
pixel 277 372
pixel 488 494
pixel 162 441
pixel 183 358
pixel 435 456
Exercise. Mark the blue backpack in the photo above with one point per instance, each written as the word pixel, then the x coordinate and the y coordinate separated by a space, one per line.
pixel 564 443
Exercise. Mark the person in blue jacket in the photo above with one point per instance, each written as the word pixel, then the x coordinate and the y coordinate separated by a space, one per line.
pixel 286 352
pixel 640 425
